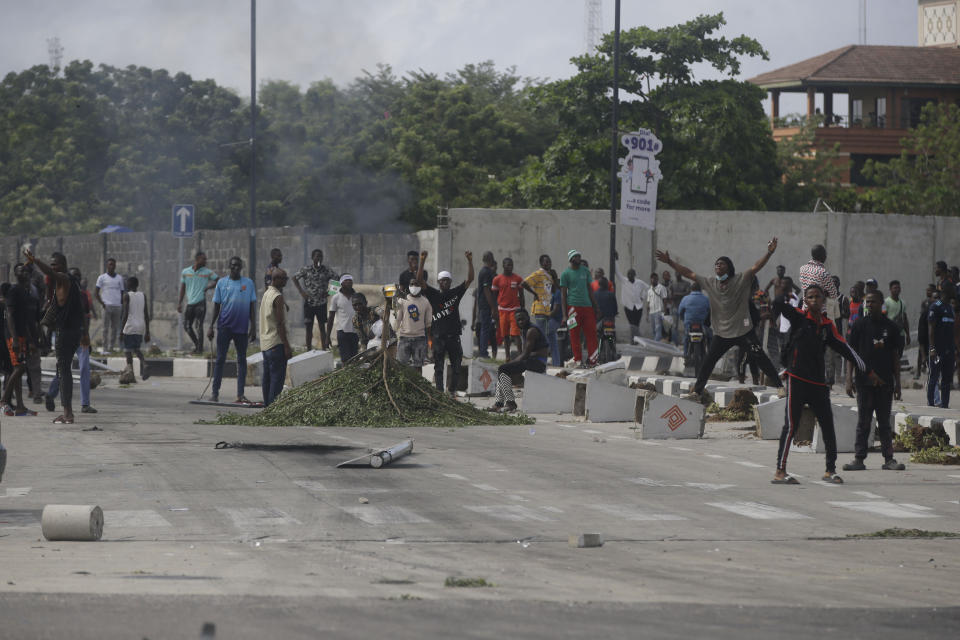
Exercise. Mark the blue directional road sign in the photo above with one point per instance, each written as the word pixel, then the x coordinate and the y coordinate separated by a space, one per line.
pixel 184 218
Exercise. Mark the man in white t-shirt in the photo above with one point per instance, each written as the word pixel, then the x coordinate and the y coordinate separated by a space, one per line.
pixel 633 292
pixel 109 293
pixel 341 319
pixel 656 295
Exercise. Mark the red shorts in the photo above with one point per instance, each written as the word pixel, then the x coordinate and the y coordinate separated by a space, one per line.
pixel 508 325
pixel 16 350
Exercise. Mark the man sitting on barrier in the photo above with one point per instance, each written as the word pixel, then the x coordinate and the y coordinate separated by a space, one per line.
pixel 532 357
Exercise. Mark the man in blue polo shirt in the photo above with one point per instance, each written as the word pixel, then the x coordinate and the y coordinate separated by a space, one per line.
pixel 234 315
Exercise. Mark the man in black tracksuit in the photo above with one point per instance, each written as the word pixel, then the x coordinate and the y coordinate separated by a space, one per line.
pixel 811 332
pixel 879 342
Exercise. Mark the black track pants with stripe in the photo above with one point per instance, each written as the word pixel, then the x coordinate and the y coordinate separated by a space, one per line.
pixel 817 396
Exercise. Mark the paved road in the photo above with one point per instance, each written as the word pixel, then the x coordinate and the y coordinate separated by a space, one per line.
pixel 273 540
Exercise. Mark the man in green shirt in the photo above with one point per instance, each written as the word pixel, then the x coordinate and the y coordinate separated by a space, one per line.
pixel 578 303
pixel 195 281
pixel 897 312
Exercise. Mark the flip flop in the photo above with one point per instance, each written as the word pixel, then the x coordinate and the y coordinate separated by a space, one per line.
pixel 62 420
pixel 832 478
pixel 787 480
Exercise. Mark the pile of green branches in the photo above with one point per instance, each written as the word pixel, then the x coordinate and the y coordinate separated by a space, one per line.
pixel 376 391
pixel 927 445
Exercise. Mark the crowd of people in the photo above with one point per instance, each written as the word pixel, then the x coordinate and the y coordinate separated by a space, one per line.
pixel 545 317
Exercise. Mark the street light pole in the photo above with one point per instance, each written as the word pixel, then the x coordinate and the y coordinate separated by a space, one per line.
pixel 615 140
pixel 253 141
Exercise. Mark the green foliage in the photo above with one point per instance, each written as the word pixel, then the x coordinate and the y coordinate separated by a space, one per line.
pixel 810 173
pixel 925 178
pixel 466 582
pixel 719 152
pixel 927 445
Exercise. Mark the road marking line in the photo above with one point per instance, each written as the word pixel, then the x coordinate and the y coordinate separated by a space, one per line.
pixel 715 456
pixel 518 498
pixel 651 444
pixel 649 482
pixel 509 512
pixel 867 494
pixel 754 465
pixel 486 487
pixel 953 476
pixel 136 518
pixel 707 486
pixel 569 426
pixel 888 509
pixel 634 514
pixel 824 483
pixel 552 509
pixel 253 517
pixel 594 431
pixel 16 492
pixel 386 515
pixel 310 485
pixel 681 449
pixel 758 511
pixel 620 438
pixel 454 476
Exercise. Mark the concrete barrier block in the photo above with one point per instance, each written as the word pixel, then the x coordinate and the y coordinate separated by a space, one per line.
pixel 671 387
pixel 610 403
pixel 580 400
pixel 611 373
pixel 190 368
pixel 483 378
pixel 309 366
pixel 651 364
pixel 665 416
pixel 254 368
pixel 769 417
pixel 547 394
pixel 952 427
pixel 845 427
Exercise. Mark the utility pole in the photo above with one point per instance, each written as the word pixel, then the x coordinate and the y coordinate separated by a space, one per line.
pixel 253 142
pixel 615 140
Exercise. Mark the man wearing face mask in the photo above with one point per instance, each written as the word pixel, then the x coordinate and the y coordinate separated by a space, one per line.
pixel 729 293
pixel 414 317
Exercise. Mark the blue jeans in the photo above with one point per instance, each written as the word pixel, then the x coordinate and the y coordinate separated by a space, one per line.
pixel 938 384
pixel 83 356
pixel 656 319
pixel 552 325
pixel 274 373
pixel 549 328
pixel 224 336
pixel 487 336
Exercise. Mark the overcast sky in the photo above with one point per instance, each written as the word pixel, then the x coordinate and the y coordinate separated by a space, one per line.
pixel 307 40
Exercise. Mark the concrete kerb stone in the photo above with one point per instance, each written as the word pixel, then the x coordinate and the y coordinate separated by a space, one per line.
pixel 664 416
pixel 844 425
pixel 190 368
pixel 610 403
pixel 547 394
pixel 483 378
pixel 309 366
pixel 769 417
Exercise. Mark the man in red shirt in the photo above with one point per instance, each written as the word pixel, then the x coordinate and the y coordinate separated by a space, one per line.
pixel 507 286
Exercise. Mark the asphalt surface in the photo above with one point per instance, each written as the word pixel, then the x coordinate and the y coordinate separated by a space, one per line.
pixel 270 539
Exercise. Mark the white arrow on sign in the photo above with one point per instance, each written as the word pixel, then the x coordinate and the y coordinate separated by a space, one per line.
pixel 184 214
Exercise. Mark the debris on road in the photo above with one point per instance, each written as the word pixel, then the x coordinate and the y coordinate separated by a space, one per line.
pixel 377 392
pixel 79 523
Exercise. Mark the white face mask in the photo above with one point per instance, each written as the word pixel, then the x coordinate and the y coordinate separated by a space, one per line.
pixel 414 290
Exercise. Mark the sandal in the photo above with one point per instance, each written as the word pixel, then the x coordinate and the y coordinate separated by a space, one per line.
pixel 26 412
pixel 8 410
pixel 786 480
pixel 832 478
pixel 242 400
pixel 495 408
pixel 62 420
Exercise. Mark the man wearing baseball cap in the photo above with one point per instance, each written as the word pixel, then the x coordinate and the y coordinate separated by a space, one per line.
pixel 341 318
pixel 446 326
pixel 579 303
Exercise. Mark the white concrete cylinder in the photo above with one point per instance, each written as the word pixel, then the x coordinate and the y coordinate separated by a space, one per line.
pixel 81 523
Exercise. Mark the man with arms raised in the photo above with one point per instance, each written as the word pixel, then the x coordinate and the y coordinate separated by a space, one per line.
pixel 729 293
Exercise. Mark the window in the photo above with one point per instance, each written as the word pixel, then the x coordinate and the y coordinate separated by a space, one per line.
pixel 881 112
pixel 856 112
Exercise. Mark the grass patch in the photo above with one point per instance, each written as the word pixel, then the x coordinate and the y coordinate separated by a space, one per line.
pixel 466 582
pixel 897 532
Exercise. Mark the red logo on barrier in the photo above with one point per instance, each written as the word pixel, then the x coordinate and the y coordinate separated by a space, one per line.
pixel 675 417
pixel 485 379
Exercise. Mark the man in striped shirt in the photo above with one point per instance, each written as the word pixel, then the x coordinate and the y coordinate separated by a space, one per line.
pixel 815 273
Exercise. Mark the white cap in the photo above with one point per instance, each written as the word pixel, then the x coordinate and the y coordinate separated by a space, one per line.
pixel 346 276
pixel 444 274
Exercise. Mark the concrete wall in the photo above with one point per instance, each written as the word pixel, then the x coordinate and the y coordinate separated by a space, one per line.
pixel 859 246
